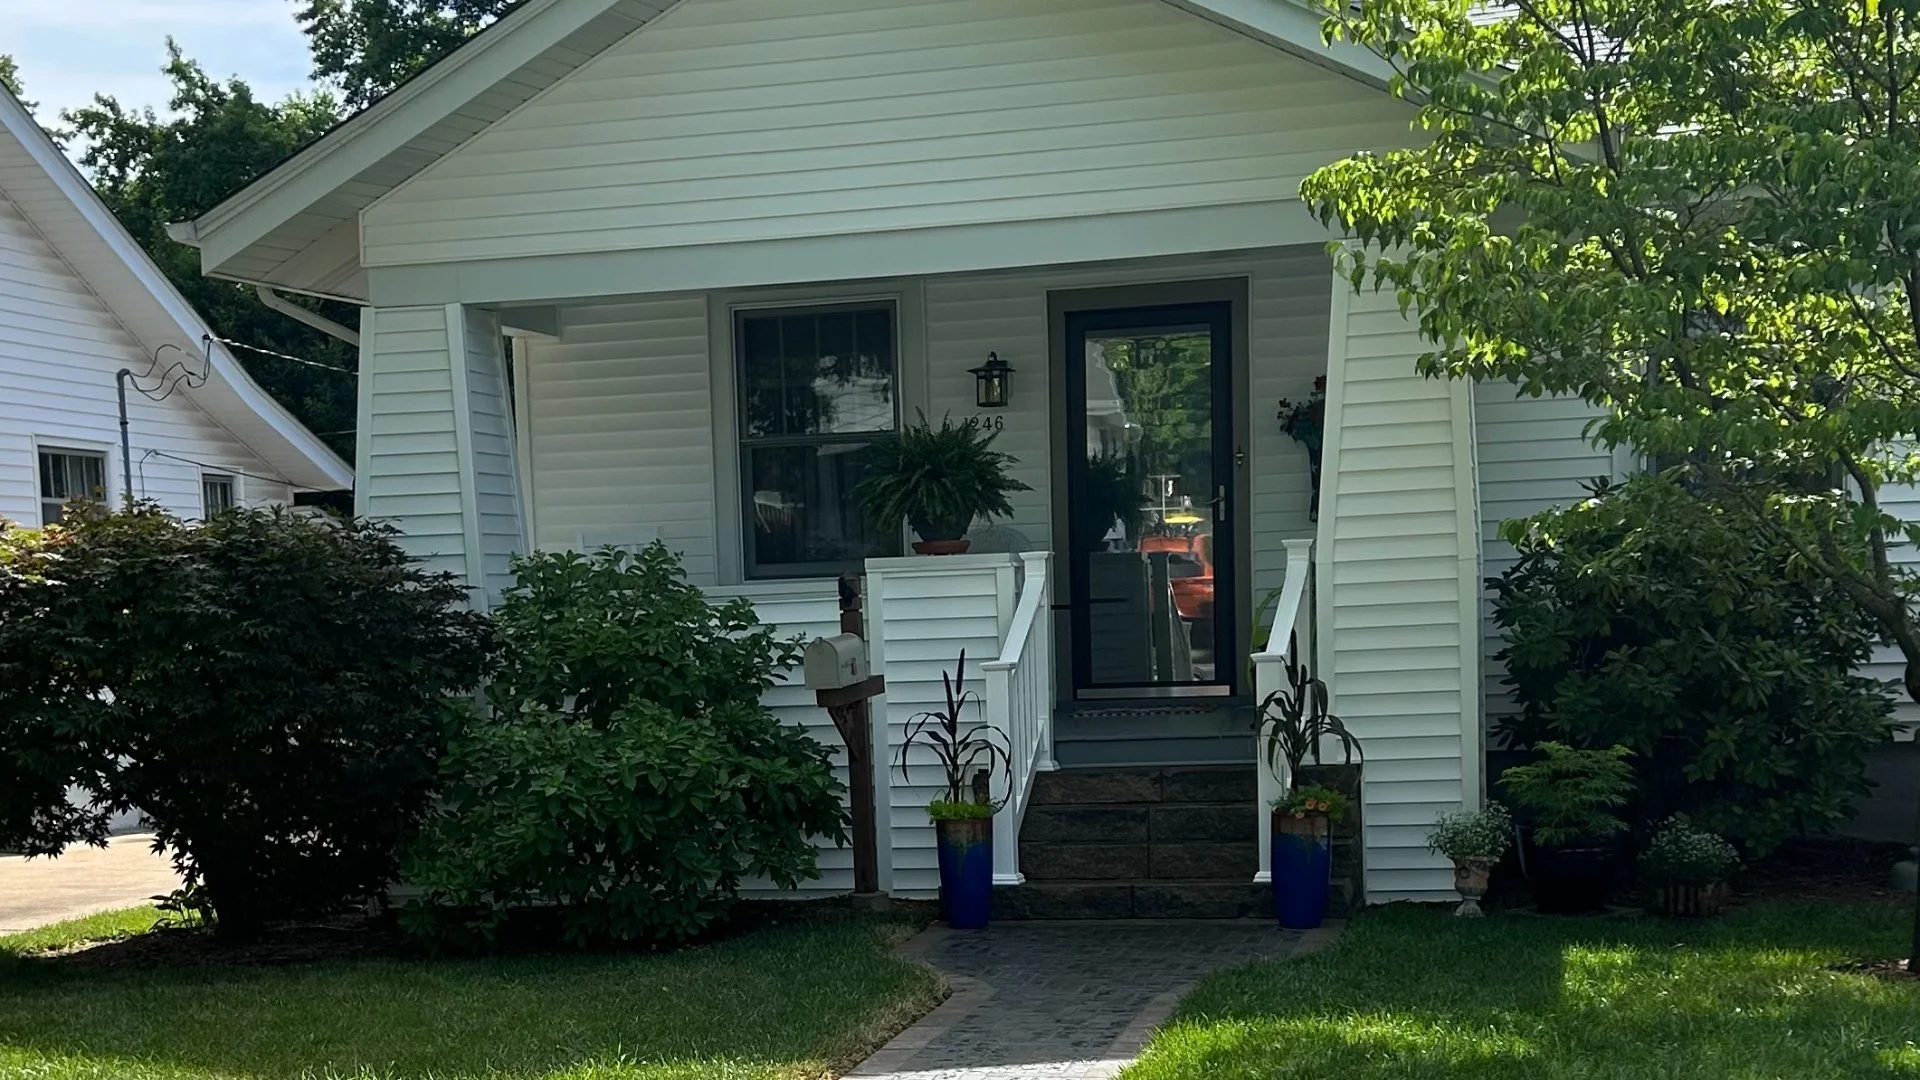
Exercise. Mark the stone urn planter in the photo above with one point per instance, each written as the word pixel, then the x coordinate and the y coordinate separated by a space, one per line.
pixel 1470 881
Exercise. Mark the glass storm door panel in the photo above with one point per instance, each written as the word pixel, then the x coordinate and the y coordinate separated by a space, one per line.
pixel 1149 465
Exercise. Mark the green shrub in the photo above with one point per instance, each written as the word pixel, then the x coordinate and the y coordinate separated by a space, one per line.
pixel 1572 796
pixel 1649 617
pixel 266 688
pixel 624 768
pixel 1682 854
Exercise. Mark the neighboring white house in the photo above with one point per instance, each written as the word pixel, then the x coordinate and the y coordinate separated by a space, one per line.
pixel 619 260
pixel 79 302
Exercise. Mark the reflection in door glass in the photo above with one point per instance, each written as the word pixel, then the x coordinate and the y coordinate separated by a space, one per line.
pixel 1144 520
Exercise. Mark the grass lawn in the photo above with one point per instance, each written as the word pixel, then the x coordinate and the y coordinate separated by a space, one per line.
pixel 781 1002
pixel 1417 994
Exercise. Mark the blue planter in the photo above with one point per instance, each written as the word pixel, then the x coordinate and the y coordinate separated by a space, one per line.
pixel 966 871
pixel 1302 874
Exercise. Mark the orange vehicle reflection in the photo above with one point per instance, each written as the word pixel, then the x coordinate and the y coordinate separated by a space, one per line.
pixel 1190 571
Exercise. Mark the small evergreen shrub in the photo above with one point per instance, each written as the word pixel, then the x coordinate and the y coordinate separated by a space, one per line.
pixel 266 688
pixel 624 771
pixel 1682 854
pixel 1485 833
pixel 1572 796
pixel 1649 617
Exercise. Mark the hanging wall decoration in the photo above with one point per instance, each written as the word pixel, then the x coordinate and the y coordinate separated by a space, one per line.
pixel 1306 422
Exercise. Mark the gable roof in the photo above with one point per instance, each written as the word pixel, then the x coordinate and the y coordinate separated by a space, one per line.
pixel 296 228
pixel 69 214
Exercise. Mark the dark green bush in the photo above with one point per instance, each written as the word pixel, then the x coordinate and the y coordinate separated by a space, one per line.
pixel 625 773
pixel 266 688
pixel 1650 617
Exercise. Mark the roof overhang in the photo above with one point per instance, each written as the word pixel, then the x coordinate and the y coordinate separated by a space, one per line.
pixel 297 228
pixel 65 209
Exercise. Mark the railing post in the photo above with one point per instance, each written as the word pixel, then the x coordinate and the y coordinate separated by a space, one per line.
pixel 1039 570
pixel 1006 823
pixel 1292 621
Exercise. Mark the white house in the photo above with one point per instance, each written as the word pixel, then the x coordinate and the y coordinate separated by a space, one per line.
pixel 79 303
pixel 638 269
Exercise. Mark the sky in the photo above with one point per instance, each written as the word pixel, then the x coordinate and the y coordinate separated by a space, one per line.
pixel 69 50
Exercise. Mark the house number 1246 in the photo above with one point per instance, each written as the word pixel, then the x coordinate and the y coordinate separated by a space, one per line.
pixel 987 423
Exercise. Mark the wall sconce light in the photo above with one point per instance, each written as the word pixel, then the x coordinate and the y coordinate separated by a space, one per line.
pixel 990 382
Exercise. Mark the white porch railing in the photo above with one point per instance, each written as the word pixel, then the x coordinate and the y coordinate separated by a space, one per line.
pixel 1291 626
pixel 1020 700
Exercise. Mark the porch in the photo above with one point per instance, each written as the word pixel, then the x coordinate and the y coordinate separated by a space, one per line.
pixel 1097 635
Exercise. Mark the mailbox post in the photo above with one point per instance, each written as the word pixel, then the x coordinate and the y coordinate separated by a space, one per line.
pixel 836 671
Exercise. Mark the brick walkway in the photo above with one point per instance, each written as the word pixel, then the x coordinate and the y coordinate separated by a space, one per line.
pixel 1062 1000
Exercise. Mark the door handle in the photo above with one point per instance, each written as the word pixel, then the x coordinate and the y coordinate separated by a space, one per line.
pixel 1220 503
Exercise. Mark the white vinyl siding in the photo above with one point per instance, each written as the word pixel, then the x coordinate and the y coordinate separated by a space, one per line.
pixel 621 419
pixel 409 467
pixel 496 482
pixel 60 347
pixel 1397 597
pixel 747 120
pixel 1532 453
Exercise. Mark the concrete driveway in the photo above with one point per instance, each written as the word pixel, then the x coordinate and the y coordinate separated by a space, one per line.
pixel 84 881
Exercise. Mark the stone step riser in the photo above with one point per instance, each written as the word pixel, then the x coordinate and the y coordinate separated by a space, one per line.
pixel 1079 787
pixel 1184 861
pixel 1141 823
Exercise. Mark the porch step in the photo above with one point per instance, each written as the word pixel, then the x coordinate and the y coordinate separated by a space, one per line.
pixel 1132 900
pixel 1150 843
pixel 1088 736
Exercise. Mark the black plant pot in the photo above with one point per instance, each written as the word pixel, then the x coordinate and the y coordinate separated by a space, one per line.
pixel 939 531
pixel 1572 879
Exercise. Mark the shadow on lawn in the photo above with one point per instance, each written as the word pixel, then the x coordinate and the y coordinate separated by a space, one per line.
pixel 1415 993
pixel 787 1000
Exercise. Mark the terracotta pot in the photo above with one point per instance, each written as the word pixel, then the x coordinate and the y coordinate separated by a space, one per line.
pixel 1690 901
pixel 941 547
pixel 1470 881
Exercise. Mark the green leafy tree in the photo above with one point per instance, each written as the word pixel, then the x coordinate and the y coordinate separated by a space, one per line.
pixel 1700 216
pixel 368 47
pixel 152 169
pixel 10 78
pixel 267 689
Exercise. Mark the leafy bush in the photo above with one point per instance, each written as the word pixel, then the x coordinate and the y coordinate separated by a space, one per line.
pixel 1681 854
pixel 266 688
pixel 1570 796
pixel 1485 833
pixel 1649 617
pixel 624 768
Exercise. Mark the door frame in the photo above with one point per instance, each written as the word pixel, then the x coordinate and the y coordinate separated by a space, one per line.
pixel 1232 432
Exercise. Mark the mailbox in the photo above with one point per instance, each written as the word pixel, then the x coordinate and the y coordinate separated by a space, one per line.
pixel 833 663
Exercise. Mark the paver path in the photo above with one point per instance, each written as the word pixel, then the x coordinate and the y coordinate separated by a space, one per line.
pixel 1061 1000
pixel 85 880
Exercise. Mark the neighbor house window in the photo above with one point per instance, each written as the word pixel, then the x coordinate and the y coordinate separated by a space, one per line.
pixel 69 474
pixel 216 493
pixel 818 388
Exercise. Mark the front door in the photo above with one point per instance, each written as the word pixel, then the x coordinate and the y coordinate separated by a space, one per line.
pixel 1150 503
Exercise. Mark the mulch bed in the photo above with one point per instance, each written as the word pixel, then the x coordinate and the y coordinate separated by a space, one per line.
pixel 1823 868
pixel 1882 969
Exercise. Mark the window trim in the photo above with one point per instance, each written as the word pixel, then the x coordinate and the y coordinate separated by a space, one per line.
pixel 723 308
pixel 742 444
pixel 219 472
pixel 43 444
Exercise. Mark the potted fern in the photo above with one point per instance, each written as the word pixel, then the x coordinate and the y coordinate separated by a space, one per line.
pixel 967 757
pixel 1569 800
pixel 938 480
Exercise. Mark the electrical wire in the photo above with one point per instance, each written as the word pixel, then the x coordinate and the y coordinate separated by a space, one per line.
pixel 226 470
pixel 211 340
pixel 162 378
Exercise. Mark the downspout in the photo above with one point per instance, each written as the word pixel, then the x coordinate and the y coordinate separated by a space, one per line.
pixel 291 310
pixel 126 445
